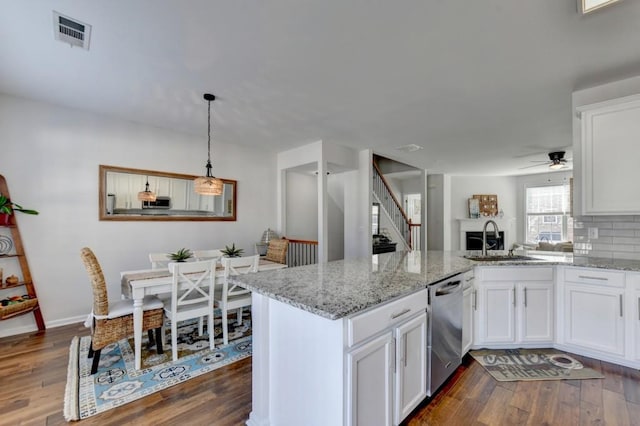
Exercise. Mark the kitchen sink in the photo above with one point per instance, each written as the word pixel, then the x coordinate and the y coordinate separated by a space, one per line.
pixel 500 258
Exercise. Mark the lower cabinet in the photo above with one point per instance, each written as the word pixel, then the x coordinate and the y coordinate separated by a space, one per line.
pixel 469 299
pixel 594 310
pixel 468 302
pixel 370 388
pixel 634 315
pixel 515 305
pixel 387 374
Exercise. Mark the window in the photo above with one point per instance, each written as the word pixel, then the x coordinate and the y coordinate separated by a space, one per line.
pixel 547 210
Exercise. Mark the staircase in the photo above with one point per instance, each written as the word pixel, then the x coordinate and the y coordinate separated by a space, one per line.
pixel 383 194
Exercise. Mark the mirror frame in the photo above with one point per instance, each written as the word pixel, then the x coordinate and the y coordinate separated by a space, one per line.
pixel 102 196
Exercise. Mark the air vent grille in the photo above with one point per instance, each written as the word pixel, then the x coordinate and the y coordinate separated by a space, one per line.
pixel 409 148
pixel 72 31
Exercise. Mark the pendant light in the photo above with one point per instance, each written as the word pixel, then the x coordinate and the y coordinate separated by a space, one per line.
pixel 146 195
pixel 208 185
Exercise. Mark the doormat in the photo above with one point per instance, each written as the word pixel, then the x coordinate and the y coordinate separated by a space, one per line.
pixel 508 365
pixel 117 382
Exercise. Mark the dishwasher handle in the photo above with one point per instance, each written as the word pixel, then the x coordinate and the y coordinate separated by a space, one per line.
pixel 449 288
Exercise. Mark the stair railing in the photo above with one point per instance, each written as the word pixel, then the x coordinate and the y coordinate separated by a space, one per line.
pixel 302 252
pixel 392 206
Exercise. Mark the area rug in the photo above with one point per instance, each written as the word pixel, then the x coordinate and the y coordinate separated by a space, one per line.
pixel 508 365
pixel 117 382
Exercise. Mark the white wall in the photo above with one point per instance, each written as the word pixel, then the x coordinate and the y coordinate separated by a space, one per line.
pixel 50 157
pixel 335 215
pixel 464 187
pixel 436 218
pixel 301 206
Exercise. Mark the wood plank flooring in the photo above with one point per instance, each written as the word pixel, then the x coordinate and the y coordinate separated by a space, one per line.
pixel 33 374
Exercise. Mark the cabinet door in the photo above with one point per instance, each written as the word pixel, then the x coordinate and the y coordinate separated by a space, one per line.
pixel 635 317
pixel 369 382
pixel 536 309
pixel 594 318
pixel 496 316
pixel 467 319
pixel 610 128
pixel 411 368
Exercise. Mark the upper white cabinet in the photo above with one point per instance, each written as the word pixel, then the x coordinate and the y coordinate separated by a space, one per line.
pixel 609 144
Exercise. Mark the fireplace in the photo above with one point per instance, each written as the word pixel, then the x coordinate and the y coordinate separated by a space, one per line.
pixel 474 241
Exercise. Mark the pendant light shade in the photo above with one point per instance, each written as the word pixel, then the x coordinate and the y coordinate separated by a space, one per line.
pixel 208 184
pixel 146 195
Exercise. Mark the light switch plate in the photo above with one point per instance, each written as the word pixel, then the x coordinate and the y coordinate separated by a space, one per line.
pixel 593 233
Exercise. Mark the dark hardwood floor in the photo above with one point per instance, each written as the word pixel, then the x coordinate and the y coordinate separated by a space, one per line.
pixel 33 374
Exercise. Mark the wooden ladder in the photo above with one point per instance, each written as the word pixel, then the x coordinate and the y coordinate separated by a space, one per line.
pixel 13 306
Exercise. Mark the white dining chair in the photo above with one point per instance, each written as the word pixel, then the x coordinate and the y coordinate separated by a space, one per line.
pixel 159 260
pixel 207 254
pixel 192 289
pixel 230 296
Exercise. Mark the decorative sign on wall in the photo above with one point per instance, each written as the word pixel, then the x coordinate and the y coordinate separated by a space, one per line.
pixel 488 204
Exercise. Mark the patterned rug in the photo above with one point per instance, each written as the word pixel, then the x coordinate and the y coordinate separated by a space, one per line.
pixel 508 365
pixel 117 382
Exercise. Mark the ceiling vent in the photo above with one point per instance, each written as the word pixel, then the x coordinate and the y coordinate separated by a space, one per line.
pixel 409 148
pixel 72 31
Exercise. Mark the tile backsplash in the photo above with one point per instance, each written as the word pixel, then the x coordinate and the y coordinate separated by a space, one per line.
pixel 618 237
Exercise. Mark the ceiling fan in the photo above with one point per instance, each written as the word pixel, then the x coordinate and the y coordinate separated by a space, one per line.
pixel 556 161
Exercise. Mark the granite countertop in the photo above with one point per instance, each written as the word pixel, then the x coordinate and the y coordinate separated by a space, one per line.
pixel 342 288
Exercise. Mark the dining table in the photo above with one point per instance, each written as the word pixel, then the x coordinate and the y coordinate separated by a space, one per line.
pixel 136 284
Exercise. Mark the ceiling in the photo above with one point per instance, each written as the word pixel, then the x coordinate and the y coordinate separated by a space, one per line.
pixel 484 87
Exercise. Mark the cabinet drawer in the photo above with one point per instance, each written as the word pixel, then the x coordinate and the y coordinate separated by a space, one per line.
pixel 594 276
pixel 517 273
pixel 369 323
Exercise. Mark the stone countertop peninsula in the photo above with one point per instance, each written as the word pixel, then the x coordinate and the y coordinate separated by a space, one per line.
pixel 342 288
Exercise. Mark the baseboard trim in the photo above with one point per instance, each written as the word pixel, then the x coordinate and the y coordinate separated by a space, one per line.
pixel 49 324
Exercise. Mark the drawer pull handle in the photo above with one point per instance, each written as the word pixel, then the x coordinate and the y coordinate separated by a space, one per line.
pixel 525 297
pixel 475 301
pixel 469 279
pixel 588 277
pixel 401 313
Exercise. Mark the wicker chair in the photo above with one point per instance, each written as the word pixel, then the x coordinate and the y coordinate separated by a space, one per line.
pixel 112 322
pixel 277 251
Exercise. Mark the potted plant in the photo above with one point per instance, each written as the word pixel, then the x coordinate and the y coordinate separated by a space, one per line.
pixel 181 255
pixel 7 207
pixel 232 251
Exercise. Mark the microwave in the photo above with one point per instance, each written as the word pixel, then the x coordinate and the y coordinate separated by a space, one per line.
pixel 159 203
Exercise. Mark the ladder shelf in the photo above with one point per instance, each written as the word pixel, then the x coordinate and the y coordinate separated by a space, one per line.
pixel 15 259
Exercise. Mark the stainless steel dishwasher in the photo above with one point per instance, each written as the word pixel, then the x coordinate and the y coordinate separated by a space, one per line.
pixel 444 344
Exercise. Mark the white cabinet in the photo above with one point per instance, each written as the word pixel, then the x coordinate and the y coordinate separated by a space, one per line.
pixel 594 310
pixel 609 135
pixel 411 366
pixel 496 317
pixel 634 315
pixel 515 305
pixel 387 364
pixel 468 307
pixel 370 382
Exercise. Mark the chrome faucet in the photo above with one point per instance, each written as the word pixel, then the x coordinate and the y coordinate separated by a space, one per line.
pixel 484 235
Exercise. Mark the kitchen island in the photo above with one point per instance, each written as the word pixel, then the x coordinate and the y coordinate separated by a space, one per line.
pixel 312 325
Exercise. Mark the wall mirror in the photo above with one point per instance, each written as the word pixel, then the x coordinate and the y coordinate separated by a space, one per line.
pixel 175 197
